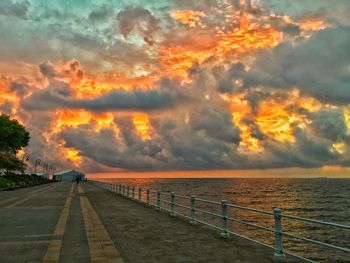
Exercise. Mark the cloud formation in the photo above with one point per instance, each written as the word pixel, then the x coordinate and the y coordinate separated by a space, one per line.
pixel 179 84
pixel 317 68
pixel 140 18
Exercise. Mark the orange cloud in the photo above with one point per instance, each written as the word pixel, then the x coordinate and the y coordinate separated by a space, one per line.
pixel 313 25
pixel 74 118
pixel 188 17
pixel 73 155
pixel 142 125
pixel 275 117
pixel 176 59
pixel 5 92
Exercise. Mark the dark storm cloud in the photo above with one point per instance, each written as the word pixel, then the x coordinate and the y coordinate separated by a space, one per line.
pixel 175 144
pixel 209 118
pixel 14 8
pixel 318 67
pixel 6 107
pixel 100 14
pixel 329 124
pixel 48 70
pixel 337 12
pixel 140 18
pixel 57 96
pixel 21 88
pixel 104 148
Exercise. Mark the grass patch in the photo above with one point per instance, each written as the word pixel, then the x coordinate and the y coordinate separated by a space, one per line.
pixel 4 181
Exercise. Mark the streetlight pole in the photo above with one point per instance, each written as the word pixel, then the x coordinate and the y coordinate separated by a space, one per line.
pixel 25 157
pixel 45 166
pixel 37 162
pixel 53 172
pixel 50 171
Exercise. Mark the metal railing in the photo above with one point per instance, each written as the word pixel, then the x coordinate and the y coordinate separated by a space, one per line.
pixel 146 196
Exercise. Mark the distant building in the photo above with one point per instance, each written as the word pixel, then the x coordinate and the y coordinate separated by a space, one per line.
pixel 69 176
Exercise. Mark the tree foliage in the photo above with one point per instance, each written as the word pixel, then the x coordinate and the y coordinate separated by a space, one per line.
pixel 13 137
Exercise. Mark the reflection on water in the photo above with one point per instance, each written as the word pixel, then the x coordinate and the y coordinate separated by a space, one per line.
pixel 322 198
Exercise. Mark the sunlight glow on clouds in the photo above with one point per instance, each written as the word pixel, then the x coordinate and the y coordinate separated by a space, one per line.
pixel 179 84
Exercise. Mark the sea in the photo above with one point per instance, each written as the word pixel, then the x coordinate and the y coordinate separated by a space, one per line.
pixel 325 199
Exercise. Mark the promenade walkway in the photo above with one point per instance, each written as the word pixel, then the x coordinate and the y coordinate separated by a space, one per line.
pixel 60 222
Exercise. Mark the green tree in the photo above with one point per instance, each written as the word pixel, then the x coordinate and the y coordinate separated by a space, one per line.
pixel 13 137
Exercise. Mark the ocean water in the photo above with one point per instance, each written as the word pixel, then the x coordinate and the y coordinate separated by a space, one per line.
pixel 319 198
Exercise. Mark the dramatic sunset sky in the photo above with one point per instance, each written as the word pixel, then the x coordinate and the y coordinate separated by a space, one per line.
pixel 108 85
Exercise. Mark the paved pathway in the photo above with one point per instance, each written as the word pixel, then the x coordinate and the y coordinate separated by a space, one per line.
pixel 61 222
pixel 52 223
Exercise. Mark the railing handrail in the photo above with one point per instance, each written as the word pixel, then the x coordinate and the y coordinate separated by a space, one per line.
pixel 124 190
pixel 316 221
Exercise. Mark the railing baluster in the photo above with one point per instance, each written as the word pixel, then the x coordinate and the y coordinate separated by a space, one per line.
pixel 133 193
pixel 140 192
pixel 193 210
pixel 147 198
pixel 278 255
pixel 158 200
pixel 224 231
pixel 172 204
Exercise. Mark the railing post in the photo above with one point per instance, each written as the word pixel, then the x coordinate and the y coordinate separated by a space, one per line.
pixel 158 199
pixel 140 192
pixel 224 231
pixel 278 255
pixel 133 193
pixel 123 191
pixel 128 192
pixel 193 210
pixel 119 189
pixel 172 213
pixel 147 200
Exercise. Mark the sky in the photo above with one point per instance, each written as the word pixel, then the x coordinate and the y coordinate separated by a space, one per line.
pixel 110 85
